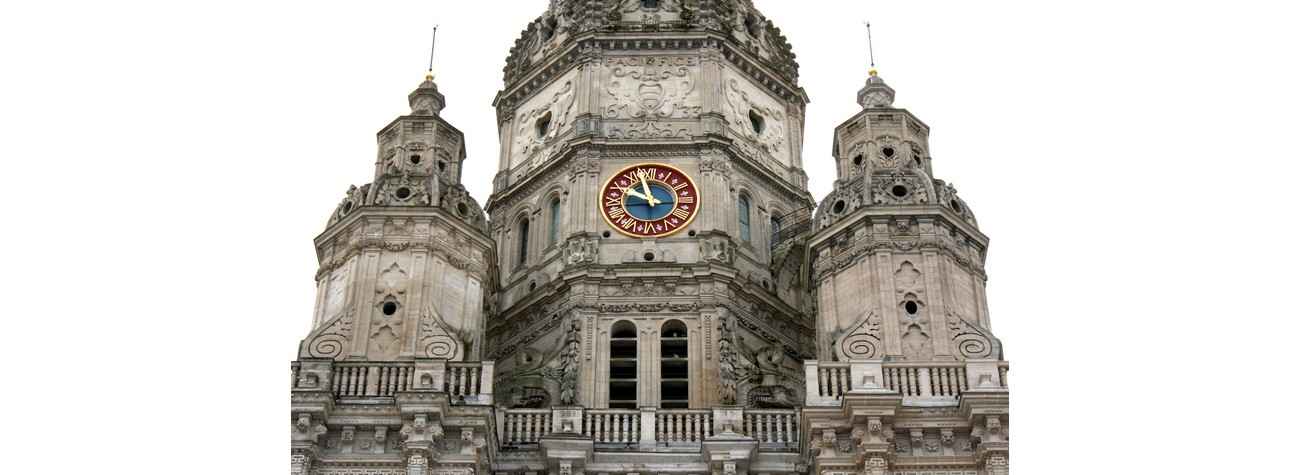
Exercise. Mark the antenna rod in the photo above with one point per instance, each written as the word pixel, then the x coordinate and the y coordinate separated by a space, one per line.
pixel 871 49
pixel 433 45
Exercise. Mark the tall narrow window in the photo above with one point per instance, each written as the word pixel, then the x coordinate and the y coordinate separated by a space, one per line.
pixel 742 209
pixel 776 232
pixel 622 366
pixel 523 242
pixel 554 236
pixel 674 364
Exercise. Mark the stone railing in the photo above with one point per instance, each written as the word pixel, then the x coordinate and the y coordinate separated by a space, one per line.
pixel 650 429
pixel 777 428
pixel 469 382
pixel 682 426
pixel 524 427
pixel 463 382
pixel 612 426
pixel 371 379
pixel 920 383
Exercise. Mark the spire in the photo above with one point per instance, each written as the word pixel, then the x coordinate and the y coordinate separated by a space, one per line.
pixel 876 93
pixel 425 99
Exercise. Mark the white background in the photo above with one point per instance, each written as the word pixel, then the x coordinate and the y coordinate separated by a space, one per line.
pixel 166 164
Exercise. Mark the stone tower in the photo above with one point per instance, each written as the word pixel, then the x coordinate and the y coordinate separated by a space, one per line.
pixel 405 267
pixel 656 291
pixel 902 322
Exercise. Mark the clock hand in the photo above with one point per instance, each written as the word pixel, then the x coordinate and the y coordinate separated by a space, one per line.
pixel 635 193
pixel 650 196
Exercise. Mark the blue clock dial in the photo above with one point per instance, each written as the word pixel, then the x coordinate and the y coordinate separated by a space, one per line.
pixel 641 208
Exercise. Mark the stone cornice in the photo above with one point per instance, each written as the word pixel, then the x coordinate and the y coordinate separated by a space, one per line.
pixel 602 44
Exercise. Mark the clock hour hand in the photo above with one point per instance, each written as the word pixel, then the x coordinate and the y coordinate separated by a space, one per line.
pixel 637 194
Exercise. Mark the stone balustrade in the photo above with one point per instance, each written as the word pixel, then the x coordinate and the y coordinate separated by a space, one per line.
pixel 468 383
pixel 920 383
pixel 651 429
pixel 772 427
pixel 612 426
pixel 525 427
pixel 682 426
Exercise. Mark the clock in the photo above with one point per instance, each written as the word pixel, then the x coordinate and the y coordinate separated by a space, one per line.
pixel 649 200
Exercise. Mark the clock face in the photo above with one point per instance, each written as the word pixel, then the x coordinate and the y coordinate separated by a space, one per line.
pixel 649 200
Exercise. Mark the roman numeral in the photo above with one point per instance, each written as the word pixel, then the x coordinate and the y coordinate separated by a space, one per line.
pixel 616 214
pixel 682 213
pixel 613 202
pixel 627 223
pixel 680 186
pixel 686 200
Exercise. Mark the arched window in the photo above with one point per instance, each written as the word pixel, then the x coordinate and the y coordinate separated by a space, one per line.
pixel 554 236
pixel 622 366
pixel 776 232
pixel 674 364
pixel 523 242
pixel 742 210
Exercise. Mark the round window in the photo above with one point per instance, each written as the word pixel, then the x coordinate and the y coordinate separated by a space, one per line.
pixel 899 191
pixel 888 152
pixel 462 209
pixel 390 308
pixel 838 207
pixel 857 161
pixel 911 307
pixel 403 193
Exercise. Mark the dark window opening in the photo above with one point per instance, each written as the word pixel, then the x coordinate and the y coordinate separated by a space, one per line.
pixel 623 366
pixel 415 159
pixel 543 125
pixel 757 122
pixel 911 307
pixel 838 207
pixel 523 242
pixel 899 191
pixel 674 366
pixel 403 193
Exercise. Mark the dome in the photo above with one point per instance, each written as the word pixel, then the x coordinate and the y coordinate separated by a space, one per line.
pixel 567 23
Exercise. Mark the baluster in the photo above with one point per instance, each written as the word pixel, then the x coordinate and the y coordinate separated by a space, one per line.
pixel 708 425
pixel 512 428
pixel 659 427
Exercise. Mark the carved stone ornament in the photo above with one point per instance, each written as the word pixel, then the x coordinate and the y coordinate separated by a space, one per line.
pixel 652 88
pixel 403 191
pixel 971 341
pixel 332 340
pixel 305 429
pixel 863 340
pixel 437 339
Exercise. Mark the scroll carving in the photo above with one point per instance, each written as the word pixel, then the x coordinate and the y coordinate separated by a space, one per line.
pixel 971 341
pixel 436 338
pixel 863 341
pixel 333 340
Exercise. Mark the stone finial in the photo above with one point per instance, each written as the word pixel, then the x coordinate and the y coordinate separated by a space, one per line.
pixel 425 99
pixel 876 93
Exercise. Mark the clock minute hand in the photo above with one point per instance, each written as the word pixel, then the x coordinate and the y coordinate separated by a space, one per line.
pixel 649 195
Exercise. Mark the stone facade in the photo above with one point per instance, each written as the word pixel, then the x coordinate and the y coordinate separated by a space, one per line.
pixel 772 335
